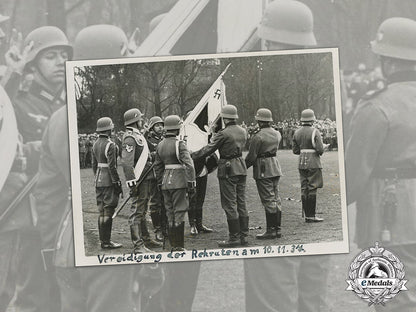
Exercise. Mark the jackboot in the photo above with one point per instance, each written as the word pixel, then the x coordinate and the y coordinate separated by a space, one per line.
pixel 148 241
pixel 243 230
pixel 270 233
pixel 234 234
pixel 312 209
pixel 138 243
pixel 199 226
pixel 106 225
pixel 305 210
pixel 179 239
pixel 156 221
pixel 279 224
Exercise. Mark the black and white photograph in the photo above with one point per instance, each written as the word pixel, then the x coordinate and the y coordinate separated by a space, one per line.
pixel 207 157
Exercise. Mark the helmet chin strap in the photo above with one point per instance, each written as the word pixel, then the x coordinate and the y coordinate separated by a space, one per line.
pixel 41 79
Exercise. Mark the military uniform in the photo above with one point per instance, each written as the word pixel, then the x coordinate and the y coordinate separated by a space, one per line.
pixel 307 143
pixel 104 166
pixel 232 172
pixel 267 172
pixel 17 233
pixel 135 149
pixel 174 170
pixel 156 199
pixel 86 289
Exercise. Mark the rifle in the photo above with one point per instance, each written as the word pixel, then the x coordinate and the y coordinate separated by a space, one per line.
pixel 143 176
pixel 23 193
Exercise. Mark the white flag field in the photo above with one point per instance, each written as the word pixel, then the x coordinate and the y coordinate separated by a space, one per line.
pixel 195 128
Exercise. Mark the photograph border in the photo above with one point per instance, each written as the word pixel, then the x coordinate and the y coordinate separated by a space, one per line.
pixel 276 250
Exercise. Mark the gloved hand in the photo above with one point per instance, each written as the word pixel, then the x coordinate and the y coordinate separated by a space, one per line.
pixel 191 188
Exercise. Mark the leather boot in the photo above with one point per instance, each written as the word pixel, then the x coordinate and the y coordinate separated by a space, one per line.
pixel 305 210
pixel 312 206
pixel 100 230
pixel 156 221
pixel 106 225
pixel 278 224
pixel 234 234
pixel 138 243
pixel 270 233
pixel 148 241
pixel 199 226
pixel 243 230
pixel 179 239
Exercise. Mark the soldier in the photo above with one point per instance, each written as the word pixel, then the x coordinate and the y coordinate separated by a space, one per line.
pixel 266 171
pixel 153 138
pixel 86 289
pixel 176 177
pixel 46 61
pixel 307 142
pixel 285 25
pixel 380 155
pixel 107 182
pixel 82 145
pixel 232 173
pixel 137 165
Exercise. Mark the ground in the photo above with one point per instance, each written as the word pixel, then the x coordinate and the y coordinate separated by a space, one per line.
pixel 294 229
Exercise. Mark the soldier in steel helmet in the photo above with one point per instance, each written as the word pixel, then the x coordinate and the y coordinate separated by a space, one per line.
pixel 266 171
pixel 153 137
pixel 286 24
pixel 86 289
pixel 175 174
pixel 107 182
pixel 232 173
pixel 46 62
pixel 137 163
pixel 381 152
pixel 307 143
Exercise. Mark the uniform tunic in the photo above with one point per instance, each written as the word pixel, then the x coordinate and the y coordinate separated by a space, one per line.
pixel 266 168
pixel 104 166
pixel 307 143
pixel 133 144
pixel 174 170
pixel 232 170
pixel 380 161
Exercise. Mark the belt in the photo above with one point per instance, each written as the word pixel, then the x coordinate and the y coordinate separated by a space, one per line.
pixel 102 165
pixel 174 166
pixel 231 157
pixel 395 173
pixel 266 155
pixel 307 150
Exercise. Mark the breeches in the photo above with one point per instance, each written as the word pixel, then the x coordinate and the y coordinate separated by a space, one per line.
pixel 233 196
pixel 269 194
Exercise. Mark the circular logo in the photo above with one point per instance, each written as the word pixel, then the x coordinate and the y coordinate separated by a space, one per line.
pixel 376 275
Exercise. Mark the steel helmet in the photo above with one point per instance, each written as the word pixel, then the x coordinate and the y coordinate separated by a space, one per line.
pixel 155 120
pixel 104 124
pixel 99 41
pixel 131 116
pixel 264 114
pixel 307 115
pixel 173 122
pixel 229 111
pixel 396 37
pixel 155 21
pixel 46 37
pixel 289 22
